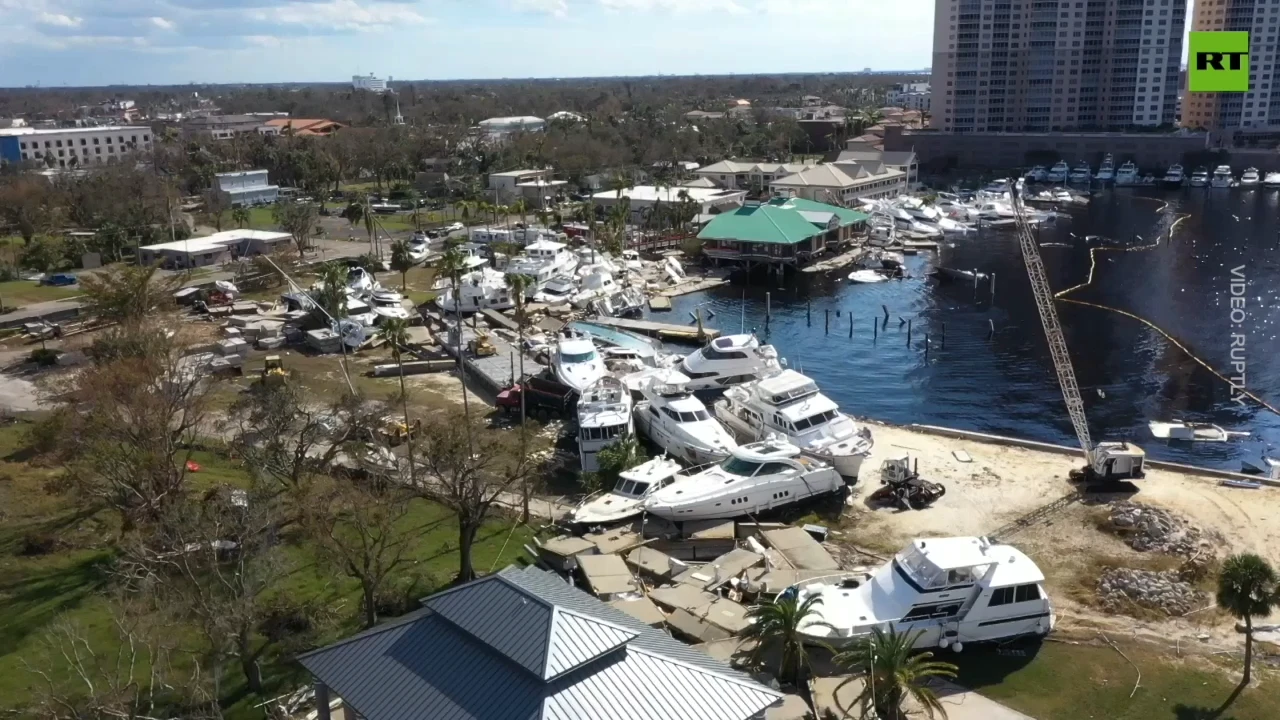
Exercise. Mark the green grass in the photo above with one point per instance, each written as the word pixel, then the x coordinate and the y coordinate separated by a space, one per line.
pixel 18 293
pixel 1071 682
pixel 260 218
pixel 69 582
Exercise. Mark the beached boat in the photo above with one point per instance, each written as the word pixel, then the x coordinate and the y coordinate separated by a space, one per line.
pixel 677 421
pixel 754 478
pixel 626 499
pixel 542 260
pixel 790 405
pixel 604 417
pixel 483 289
pixel 945 592
pixel 388 304
pixel 575 362
pixel 729 360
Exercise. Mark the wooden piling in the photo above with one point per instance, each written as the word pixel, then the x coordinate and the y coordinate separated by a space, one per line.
pixel 926 346
pixel 991 333
pixel 826 322
pixel 944 336
pixel 850 324
pixel 908 332
pixel 808 313
pixel 992 283
pixel 875 331
pixel 886 311
pixel 768 309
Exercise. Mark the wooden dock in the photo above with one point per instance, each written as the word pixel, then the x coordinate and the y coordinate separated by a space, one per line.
pixel 662 331
pixel 495 372
pixel 838 262
pixel 692 286
pixel 920 244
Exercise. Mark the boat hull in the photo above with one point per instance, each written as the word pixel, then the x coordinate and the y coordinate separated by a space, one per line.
pixel 677 448
pixel 932 634
pixel 846 464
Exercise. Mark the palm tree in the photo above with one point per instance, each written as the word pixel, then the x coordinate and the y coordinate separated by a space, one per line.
pixel 892 672
pixel 521 208
pixel 396 332
pixel 519 285
pixel 775 627
pixel 401 261
pixel 240 216
pixel 1246 588
pixel 451 266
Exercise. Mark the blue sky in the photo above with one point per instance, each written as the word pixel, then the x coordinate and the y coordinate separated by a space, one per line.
pixel 99 42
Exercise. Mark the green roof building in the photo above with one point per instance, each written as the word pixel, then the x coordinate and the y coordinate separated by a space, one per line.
pixel 783 231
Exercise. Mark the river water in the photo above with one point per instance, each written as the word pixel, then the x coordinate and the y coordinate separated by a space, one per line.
pixel 1003 381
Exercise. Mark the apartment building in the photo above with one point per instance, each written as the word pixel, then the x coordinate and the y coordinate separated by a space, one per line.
pixel 1053 65
pixel 72 147
pixel 1258 108
pixel 910 96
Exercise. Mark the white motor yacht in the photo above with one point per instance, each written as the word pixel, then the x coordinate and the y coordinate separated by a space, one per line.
pixel 631 261
pixel 596 284
pixel 1081 174
pixel 1272 180
pixel 389 304
pixel 1037 174
pixel 575 361
pixel 558 290
pixel 359 311
pixel 626 302
pixel 729 360
pixel 360 282
pixel 604 417
pixel 626 500
pixel 1173 177
pixel 1127 174
pixel 1221 177
pixel 677 421
pixel 483 289
pixel 1250 177
pixel 951 591
pixel 790 404
pixel 1106 171
pixel 1199 178
pixel 998 185
pixel 1058 173
pixel 754 478
pixel 542 260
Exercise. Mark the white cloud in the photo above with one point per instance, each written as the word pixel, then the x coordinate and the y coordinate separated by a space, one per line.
pixel 162 23
pixel 554 8
pixel 341 15
pixel 677 6
pixel 60 20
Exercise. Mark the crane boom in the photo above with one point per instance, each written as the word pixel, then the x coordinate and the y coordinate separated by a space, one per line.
pixel 1052 328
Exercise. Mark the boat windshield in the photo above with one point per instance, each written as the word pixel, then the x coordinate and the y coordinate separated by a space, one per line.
pixel 738 466
pixel 631 488
pixel 574 358
pixel 821 418
pixel 687 417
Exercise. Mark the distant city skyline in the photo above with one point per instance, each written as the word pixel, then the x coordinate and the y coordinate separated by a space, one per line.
pixel 54 43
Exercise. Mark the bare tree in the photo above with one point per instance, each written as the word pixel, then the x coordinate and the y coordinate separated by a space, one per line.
pixel 470 482
pixel 29 203
pixel 298 219
pixel 127 293
pixel 83 681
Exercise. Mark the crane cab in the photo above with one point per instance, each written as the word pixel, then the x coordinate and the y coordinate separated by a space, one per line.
pixel 1114 461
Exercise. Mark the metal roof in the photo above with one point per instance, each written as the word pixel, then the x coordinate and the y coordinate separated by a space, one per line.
pixel 426 665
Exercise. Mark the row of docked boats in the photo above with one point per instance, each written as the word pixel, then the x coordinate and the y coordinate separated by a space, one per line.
pixel 770 439
pixel 1129 175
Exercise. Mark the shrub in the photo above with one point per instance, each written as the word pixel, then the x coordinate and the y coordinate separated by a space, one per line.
pixel 45 357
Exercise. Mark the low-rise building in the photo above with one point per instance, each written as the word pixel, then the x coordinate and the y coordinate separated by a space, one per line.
pixel 910 96
pixel 861 151
pixel 783 231
pixel 641 199
pixel 532 185
pixel 221 127
pixel 247 188
pixel 749 174
pixel 300 127
pixel 72 147
pixel 843 183
pixel 522 643
pixel 213 249
pixel 368 82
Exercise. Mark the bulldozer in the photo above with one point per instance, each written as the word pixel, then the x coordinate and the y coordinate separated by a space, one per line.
pixel 902 485
pixel 481 347
pixel 393 431
pixel 273 372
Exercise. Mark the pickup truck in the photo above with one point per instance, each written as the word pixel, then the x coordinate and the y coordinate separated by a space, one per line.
pixel 543 398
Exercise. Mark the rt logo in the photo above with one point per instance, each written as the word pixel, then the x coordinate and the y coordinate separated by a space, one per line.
pixel 1219 62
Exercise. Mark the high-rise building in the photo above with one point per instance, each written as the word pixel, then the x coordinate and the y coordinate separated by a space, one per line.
pixel 1258 108
pixel 1046 65
pixel 368 82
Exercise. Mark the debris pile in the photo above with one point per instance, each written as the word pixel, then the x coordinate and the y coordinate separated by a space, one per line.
pixel 1164 591
pixel 1146 528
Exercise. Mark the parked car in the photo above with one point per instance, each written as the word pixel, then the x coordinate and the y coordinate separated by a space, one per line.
pixel 456 227
pixel 58 279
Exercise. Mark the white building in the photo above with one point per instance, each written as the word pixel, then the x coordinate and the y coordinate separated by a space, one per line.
pixel 842 183
pixel 247 188
pixel 213 249
pixel 535 186
pixel 368 82
pixel 910 96
pixel 500 127
pixel 748 174
pixel 72 147
pixel 643 198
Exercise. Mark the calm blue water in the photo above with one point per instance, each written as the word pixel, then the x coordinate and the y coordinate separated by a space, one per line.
pixel 1005 383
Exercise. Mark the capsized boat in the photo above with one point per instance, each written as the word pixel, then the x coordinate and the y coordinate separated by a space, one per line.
pixel 1202 432
pixel 677 421
pixel 790 405
pixel 754 478
pixel 575 362
pixel 945 591
pixel 729 360
pixel 604 417
pixel 626 499
pixel 866 276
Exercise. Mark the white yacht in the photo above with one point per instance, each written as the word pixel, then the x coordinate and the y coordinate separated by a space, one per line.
pixel 1221 177
pixel 596 284
pixel 676 421
pixel 1174 176
pixel 1199 178
pixel 1106 171
pixel 1081 174
pixel 729 360
pixel 472 254
pixel 483 289
pixel 1127 174
pixel 575 361
pixel 558 290
pixel 1250 177
pixel 1058 173
pixel 1272 180
pixel 754 478
pixel 952 591
pixel 359 311
pixel 360 282
pixel 789 404
pixel 626 500
pixel 1037 174
pixel 388 304
pixel 542 260
pixel 631 261
pixel 604 417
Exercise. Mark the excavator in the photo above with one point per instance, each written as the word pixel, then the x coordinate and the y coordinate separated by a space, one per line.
pixel 1106 463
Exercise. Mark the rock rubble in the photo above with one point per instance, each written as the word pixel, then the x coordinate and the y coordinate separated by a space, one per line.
pixel 1151 529
pixel 1164 591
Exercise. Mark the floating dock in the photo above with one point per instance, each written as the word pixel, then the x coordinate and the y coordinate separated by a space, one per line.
pixel 692 286
pixel 662 331
pixel 842 260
